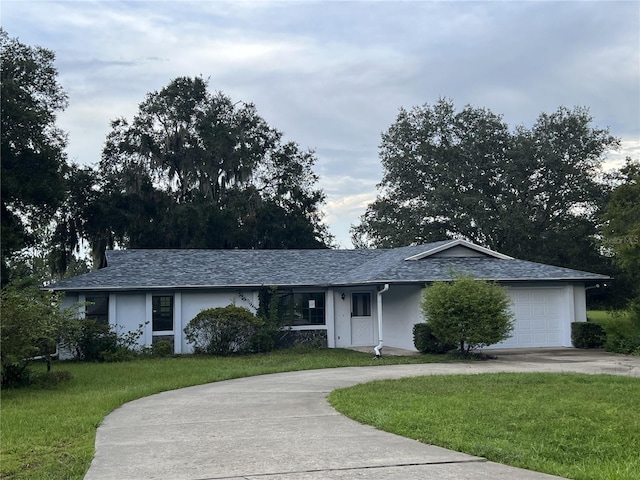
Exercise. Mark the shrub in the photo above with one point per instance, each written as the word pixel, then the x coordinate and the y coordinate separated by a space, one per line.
pixel 587 335
pixel 162 348
pixel 31 324
pixel 93 341
pixel 467 312
pixel 426 342
pixel 623 330
pixel 223 330
pixel 274 331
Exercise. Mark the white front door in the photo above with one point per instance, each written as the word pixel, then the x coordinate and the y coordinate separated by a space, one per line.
pixel 362 331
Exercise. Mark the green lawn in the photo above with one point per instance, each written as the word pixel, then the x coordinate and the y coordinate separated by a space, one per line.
pixel 50 433
pixel 570 425
pixel 574 426
pixel 598 316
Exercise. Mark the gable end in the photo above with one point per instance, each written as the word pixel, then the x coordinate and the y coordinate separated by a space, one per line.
pixel 460 249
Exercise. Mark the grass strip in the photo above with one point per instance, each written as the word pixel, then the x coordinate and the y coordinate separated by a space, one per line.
pixel 584 427
pixel 50 433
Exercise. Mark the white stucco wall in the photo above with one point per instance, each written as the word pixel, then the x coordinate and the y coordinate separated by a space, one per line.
pixel 193 303
pixel 401 311
pixel 580 302
pixel 129 314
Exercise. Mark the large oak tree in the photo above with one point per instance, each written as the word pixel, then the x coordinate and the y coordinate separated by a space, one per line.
pixel 532 192
pixel 33 158
pixel 196 170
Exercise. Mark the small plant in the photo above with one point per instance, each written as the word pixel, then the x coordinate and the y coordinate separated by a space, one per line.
pixel 223 330
pixel 587 335
pixel 162 348
pixel 426 342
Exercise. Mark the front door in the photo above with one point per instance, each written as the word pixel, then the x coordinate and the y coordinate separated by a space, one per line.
pixel 362 332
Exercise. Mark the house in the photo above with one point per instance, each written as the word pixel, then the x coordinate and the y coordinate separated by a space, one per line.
pixel 345 298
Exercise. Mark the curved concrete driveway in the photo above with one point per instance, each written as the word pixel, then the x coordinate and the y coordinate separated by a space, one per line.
pixel 281 427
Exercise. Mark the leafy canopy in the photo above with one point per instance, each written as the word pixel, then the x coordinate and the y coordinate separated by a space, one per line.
pixel 32 323
pixel 32 151
pixel 530 193
pixel 194 169
pixel 621 228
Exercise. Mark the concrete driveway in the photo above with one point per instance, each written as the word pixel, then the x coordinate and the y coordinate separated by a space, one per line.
pixel 281 427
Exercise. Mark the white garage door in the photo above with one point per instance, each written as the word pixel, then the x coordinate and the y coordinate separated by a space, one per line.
pixel 538 318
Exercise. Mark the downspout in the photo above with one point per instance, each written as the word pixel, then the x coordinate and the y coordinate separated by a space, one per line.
pixel 380 339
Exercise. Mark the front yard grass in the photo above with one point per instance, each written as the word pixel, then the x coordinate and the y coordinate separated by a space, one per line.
pixel 583 427
pixel 50 433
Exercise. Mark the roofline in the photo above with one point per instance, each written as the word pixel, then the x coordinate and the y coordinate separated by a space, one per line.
pixel 315 285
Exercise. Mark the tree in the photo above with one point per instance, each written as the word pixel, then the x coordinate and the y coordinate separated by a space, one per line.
pixel 621 227
pixel 33 158
pixel 32 324
pixel 467 312
pixel 531 193
pixel 196 170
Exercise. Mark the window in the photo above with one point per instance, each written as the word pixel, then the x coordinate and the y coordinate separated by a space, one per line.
pixel 97 308
pixel 303 308
pixel 162 318
pixel 361 305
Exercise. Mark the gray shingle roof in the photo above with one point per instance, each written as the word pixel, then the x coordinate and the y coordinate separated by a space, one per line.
pixel 156 269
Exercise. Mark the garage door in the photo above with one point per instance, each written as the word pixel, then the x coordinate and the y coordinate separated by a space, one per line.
pixel 538 318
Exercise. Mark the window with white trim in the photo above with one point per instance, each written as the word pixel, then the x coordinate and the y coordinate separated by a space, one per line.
pixel 162 314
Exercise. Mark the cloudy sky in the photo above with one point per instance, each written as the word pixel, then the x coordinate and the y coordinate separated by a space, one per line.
pixel 332 74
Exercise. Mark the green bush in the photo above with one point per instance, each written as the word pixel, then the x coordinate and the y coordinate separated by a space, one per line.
pixel 162 348
pixel 93 341
pixel 31 324
pixel 587 335
pixel 426 342
pixel 223 331
pixel 623 330
pixel 467 312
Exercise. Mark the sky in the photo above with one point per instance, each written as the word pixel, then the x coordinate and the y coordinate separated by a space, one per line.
pixel 332 75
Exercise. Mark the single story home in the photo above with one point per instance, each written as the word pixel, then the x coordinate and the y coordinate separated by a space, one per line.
pixel 346 298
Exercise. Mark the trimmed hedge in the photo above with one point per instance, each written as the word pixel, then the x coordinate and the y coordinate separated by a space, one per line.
pixel 587 335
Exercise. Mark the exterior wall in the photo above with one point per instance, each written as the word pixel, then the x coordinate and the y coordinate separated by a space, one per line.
pixel 193 303
pixel 68 301
pixel 401 311
pixel 580 302
pixel 129 314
